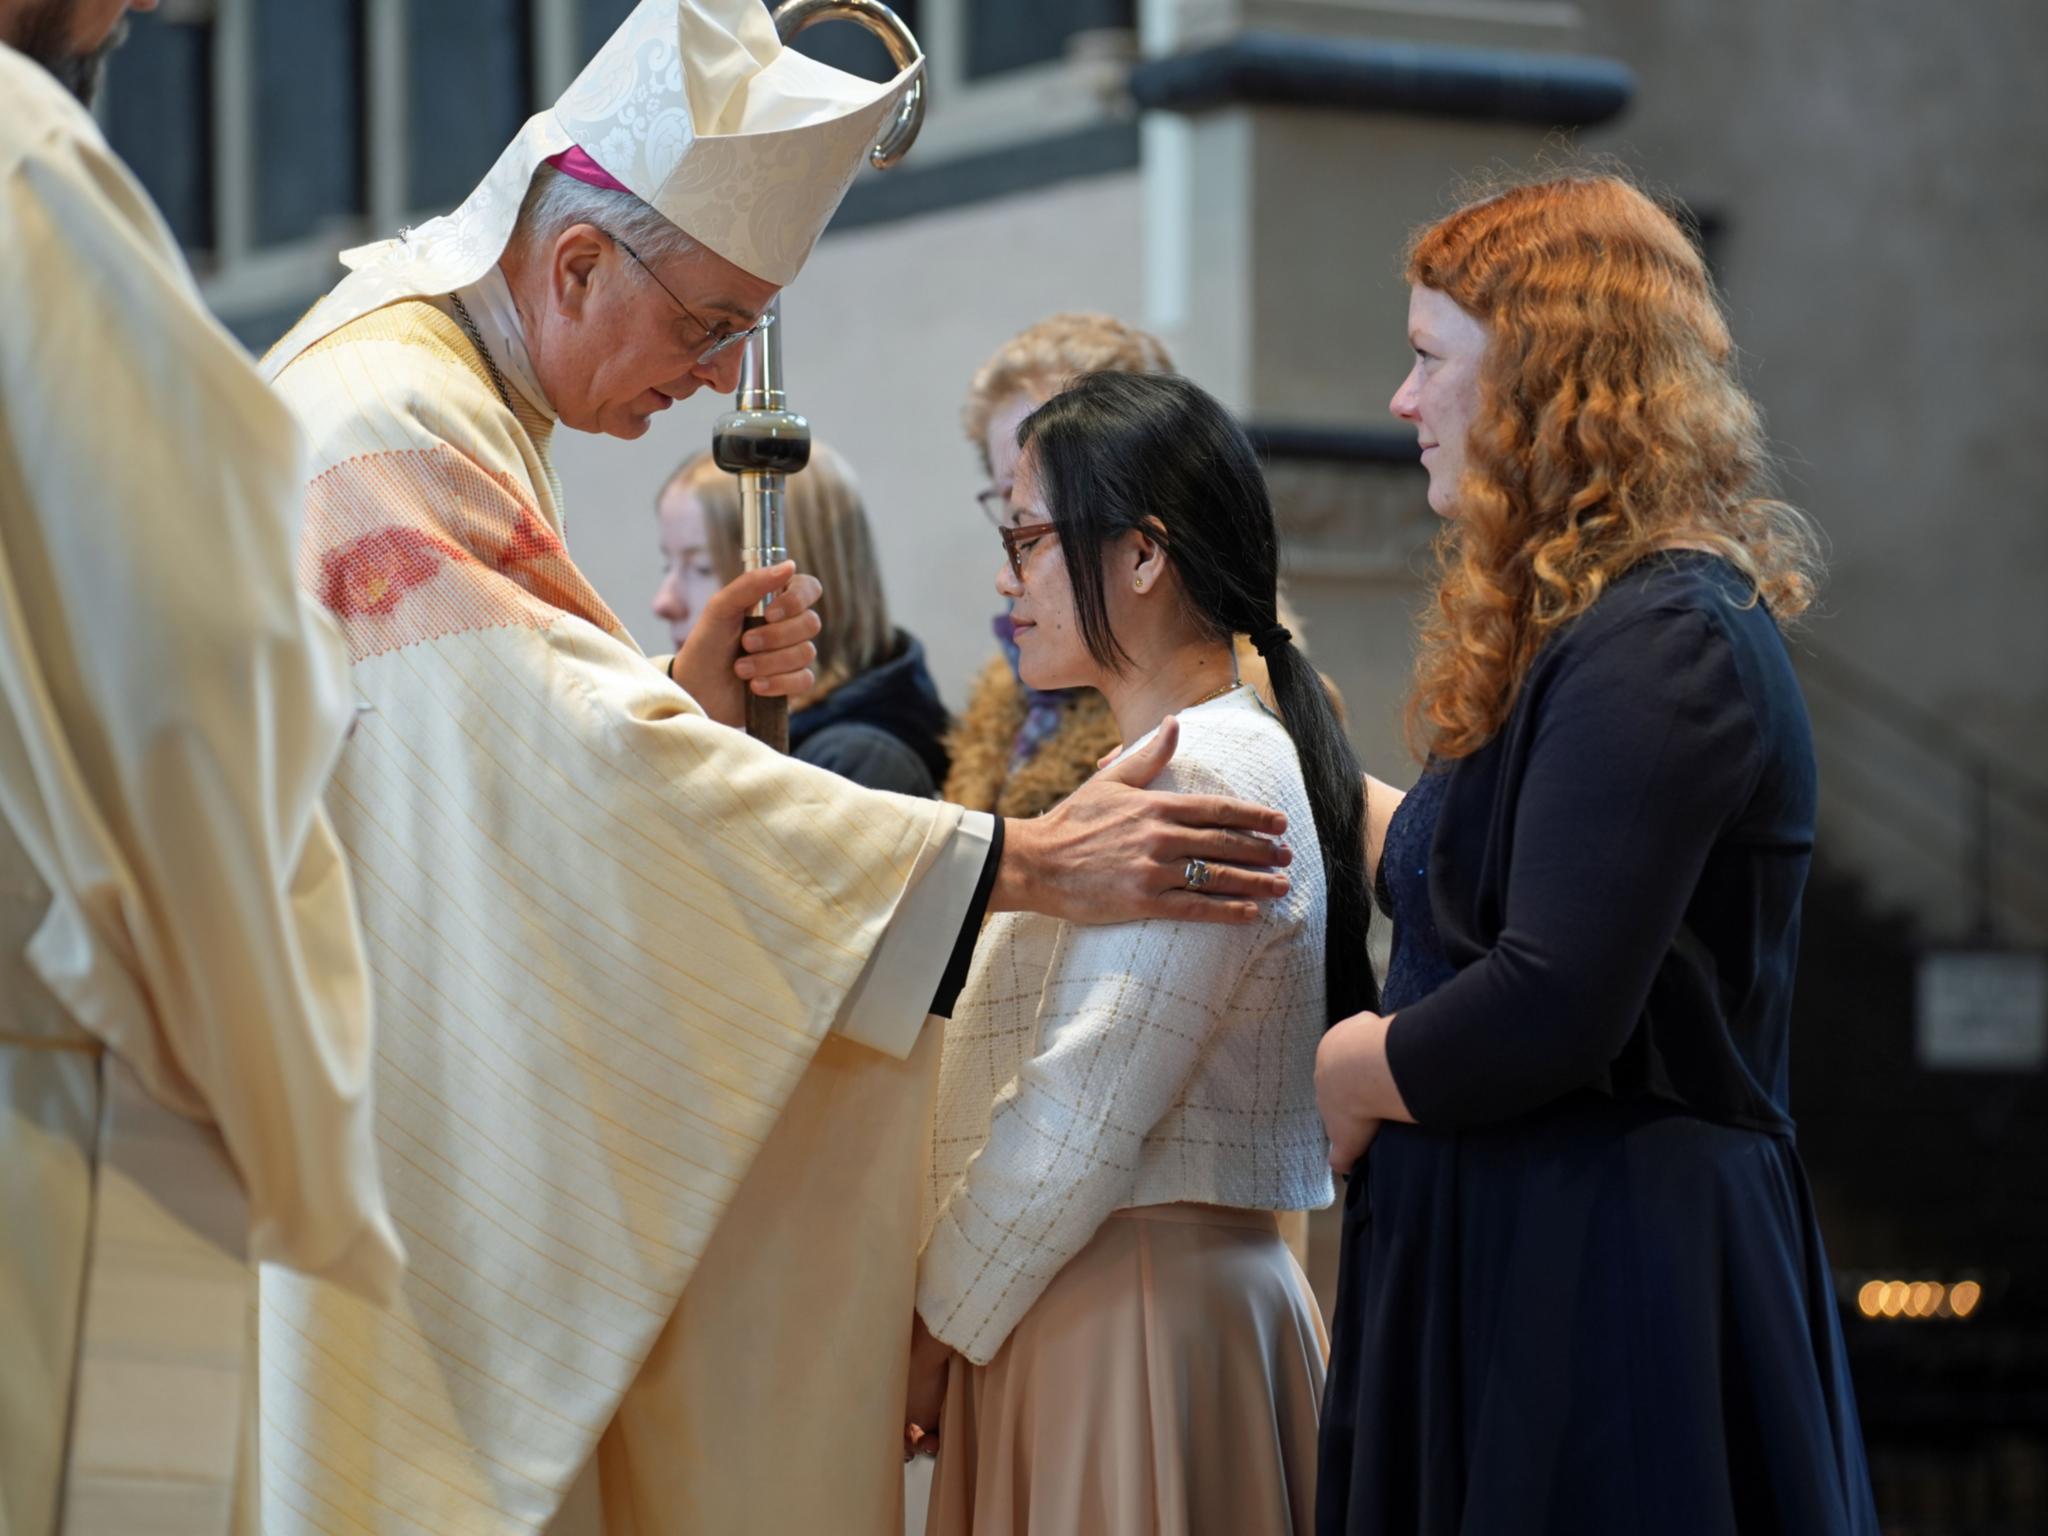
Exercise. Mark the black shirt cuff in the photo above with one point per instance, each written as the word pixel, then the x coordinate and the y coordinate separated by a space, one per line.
pixel 955 977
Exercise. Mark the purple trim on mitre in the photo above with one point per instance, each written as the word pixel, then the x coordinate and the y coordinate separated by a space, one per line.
pixel 575 161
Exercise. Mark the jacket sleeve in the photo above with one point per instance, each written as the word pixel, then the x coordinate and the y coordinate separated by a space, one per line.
pixel 869 755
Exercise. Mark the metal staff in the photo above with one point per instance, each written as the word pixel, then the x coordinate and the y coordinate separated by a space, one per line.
pixel 761 440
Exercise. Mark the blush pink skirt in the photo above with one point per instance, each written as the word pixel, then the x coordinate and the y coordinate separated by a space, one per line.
pixel 1167 1383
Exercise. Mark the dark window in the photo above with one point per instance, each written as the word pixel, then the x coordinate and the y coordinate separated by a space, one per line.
pixel 851 47
pixel 471 87
pixel 158 90
pixel 1007 34
pixel 601 19
pixel 309 116
pixel 843 45
pixel 259 333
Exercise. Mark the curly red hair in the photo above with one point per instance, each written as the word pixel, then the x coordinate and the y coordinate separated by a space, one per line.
pixel 1610 425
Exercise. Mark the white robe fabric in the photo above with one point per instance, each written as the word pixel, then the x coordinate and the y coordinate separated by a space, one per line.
pixel 184 1021
pixel 610 938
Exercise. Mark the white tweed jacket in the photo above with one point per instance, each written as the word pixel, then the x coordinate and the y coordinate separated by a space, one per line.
pixel 1087 1069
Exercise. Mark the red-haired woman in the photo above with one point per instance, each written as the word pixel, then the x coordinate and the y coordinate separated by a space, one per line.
pixel 1582 1288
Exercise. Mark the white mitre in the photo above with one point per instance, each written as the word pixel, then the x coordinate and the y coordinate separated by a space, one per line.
pixel 697 108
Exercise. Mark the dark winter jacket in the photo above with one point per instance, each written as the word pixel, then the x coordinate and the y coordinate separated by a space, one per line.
pixel 884 728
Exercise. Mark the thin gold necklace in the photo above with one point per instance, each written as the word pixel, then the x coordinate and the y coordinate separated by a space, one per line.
pixel 1235 682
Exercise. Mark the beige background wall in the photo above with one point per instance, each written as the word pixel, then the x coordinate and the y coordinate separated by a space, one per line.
pixel 1880 165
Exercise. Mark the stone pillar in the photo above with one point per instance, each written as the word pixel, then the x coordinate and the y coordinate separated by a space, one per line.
pixel 1290 147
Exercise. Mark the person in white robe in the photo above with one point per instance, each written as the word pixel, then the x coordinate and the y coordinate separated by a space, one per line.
pixel 184 998
pixel 652 998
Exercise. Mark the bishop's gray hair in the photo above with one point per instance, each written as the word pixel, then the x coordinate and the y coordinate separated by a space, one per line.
pixel 555 201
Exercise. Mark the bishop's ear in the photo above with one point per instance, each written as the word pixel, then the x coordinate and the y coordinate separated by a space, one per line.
pixel 576 259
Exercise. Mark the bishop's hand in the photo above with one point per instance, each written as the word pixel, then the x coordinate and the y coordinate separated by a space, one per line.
pixel 1116 852
pixel 722 659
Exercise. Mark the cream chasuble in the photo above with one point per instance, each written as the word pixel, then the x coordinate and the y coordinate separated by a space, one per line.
pixel 184 1017
pixel 609 938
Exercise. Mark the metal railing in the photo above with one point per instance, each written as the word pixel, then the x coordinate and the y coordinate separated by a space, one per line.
pixel 1963 828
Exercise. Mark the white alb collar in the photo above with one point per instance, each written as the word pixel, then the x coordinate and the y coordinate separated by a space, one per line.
pixel 490 306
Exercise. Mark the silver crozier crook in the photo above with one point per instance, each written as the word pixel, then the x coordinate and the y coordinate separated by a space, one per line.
pixel 762 440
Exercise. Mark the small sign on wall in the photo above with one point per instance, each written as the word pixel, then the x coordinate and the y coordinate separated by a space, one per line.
pixel 1983 1010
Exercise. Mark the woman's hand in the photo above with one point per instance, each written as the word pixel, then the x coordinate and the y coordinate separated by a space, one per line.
pixel 723 660
pixel 929 1361
pixel 1355 1087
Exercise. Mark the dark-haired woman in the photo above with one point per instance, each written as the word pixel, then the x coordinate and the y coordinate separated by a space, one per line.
pixel 1120 1339
pixel 1582 1291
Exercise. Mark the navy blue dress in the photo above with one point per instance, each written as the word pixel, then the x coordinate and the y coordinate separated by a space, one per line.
pixel 1585 1295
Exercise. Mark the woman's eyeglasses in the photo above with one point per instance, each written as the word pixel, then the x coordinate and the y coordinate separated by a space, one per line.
pixel 1018 542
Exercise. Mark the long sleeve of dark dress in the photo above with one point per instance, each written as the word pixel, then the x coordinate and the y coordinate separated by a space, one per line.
pixel 1617 877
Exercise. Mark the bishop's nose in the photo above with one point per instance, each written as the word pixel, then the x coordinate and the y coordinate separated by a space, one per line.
pixel 722 372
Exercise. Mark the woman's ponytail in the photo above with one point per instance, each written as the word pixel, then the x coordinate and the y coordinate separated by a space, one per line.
pixel 1336 795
